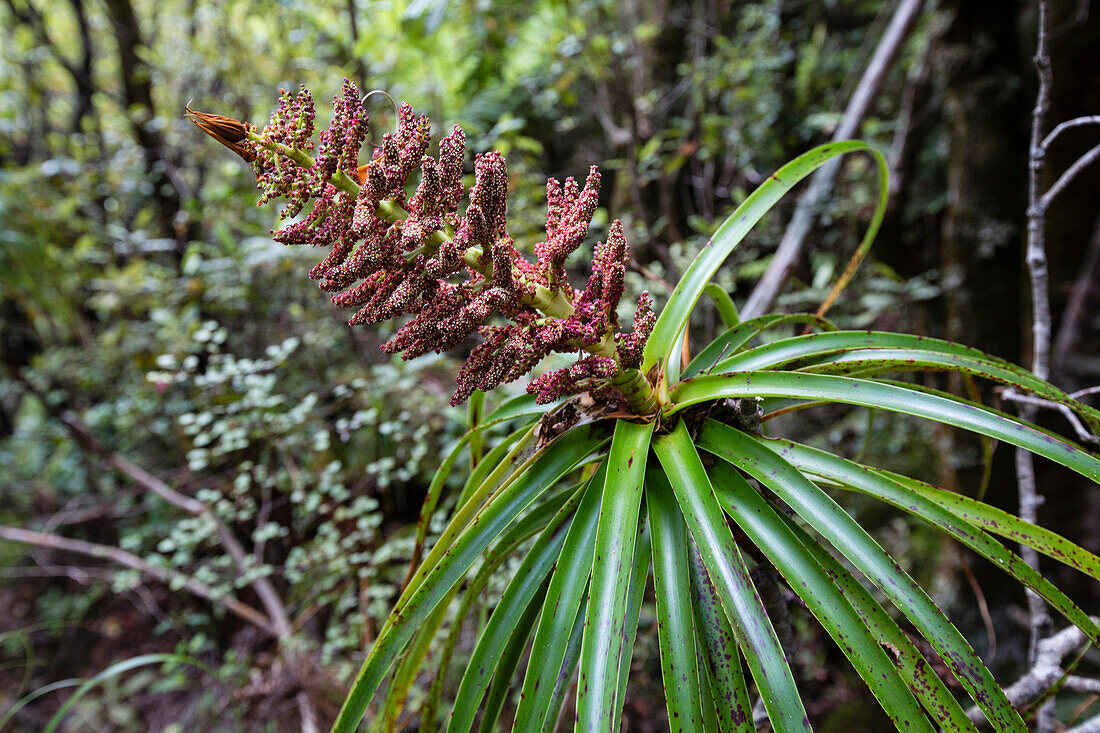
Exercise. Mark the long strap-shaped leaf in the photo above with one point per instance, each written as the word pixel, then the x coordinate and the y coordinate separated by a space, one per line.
pixel 730 577
pixel 895 351
pixel 534 521
pixel 675 622
pixel 911 664
pixel 887 397
pixel 612 563
pixel 565 673
pixel 675 315
pixel 504 621
pixel 560 609
pixel 867 481
pixel 837 526
pixel 510 658
pixel 824 600
pixel 449 560
pixel 721 658
pixel 439 481
pixel 638 581
pixel 999 522
pixel 734 339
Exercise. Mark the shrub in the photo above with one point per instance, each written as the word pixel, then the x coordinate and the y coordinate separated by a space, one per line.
pixel 645 454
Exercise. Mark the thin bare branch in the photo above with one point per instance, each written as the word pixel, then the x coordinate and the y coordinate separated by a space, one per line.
pixel 272 604
pixel 1078 427
pixel 1039 620
pixel 1045 671
pixel 1066 178
pixel 1068 124
pixel 127 559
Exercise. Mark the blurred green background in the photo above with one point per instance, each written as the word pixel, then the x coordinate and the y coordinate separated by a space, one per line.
pixel 147 316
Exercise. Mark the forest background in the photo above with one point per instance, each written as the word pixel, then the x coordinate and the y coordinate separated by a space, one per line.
pixel 185 421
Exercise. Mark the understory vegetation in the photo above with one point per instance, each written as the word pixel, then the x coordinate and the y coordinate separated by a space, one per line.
pixel 598 437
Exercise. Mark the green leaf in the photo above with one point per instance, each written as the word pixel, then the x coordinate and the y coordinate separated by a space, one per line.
pixel 565 673
pixel 892 352
pixel 804 575
pixel 642 553
pixel 828 519
pixel 733 340
pixel 727 311
pixel 509 659
pixel 675 315
pixel 721 658
pixel 727 571
pixel 555 509
pixel 597 707
pixel 561 607
pixel 113 671
pixel 498 465
pixel 911 664
pixel 504 621
pixel 1000 522
pixel 469 533
pixel 439 481
pixel 675 623
pixel 867 481
pixel 887 397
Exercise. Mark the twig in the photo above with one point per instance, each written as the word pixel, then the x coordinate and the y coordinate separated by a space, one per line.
pixel 1078 427
pixel 1085 392
pixel 127 559
pixel 1066 178
pixel 1045 671
pixel 805 213
pixel 262 586
pixel 1039 620
pixel 277 618
pixel 1068 124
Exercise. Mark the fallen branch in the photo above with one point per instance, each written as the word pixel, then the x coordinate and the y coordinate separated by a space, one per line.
pixel 269 597
pixel 277 618
pixel 127 559
pixel 805 213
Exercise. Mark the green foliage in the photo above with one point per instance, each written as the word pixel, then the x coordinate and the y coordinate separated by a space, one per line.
pixel 774 491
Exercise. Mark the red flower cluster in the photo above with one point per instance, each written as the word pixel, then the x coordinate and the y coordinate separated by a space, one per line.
pixel 394 254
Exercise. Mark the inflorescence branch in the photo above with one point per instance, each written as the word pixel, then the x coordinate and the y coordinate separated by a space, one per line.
pixel 394 254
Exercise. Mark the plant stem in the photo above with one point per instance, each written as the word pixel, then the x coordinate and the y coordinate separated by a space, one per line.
pixel 1029 497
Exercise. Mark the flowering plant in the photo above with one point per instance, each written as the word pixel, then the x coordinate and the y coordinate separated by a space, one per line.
pixel 394 254
pixel 578 486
